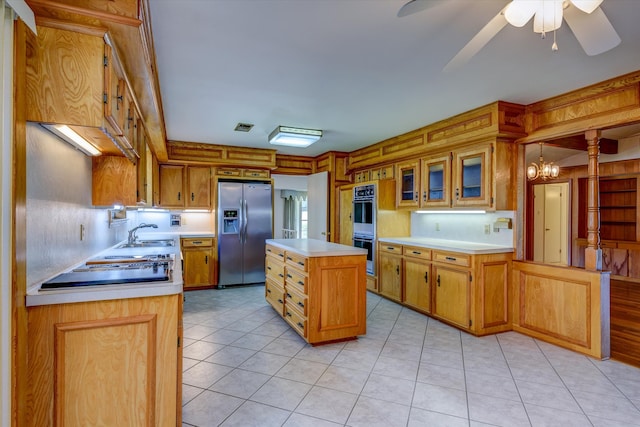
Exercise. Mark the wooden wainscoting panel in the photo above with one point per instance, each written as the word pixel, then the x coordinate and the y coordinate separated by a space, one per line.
pixel 566 306
pixel 625 321
pixel 92 359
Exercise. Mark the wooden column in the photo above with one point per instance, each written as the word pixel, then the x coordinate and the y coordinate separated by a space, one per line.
pixel 593 252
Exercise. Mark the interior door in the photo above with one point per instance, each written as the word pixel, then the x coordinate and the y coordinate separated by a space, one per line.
pixel 551 223
pixel 318 205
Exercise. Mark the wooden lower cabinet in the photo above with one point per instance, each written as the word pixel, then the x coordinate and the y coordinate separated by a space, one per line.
pixel 323 298
pixel 198 263
pixel 469 291
pixel 390 275
pixel 112 363
pixel 451 295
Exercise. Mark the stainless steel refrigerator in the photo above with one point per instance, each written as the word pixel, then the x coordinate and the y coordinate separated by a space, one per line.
pixel 244 223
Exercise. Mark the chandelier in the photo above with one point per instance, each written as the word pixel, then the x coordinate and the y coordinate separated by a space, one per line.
pixel 542 170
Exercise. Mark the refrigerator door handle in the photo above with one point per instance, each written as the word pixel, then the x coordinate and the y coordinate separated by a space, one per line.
pixel 241 219
pixel 246 221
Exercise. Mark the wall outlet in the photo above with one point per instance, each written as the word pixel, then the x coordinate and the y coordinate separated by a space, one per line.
pixel 487 229
pixel 437 226
pixel 82 232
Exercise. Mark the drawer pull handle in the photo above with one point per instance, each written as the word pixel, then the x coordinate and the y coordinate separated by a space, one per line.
pixel 196 242
pixel 301 263
pixel 450 258
pixel 300 325
pixel 268 268
pixel 268 250
pixel 289 258
pixel 281 255
pixel 268 291
pixel 391 248
pixel 288 314
pixel 417 253
pixel 280 301
pixel 281 275
pixel 301 304
pixel 300 282
pixel 289 276
pixel 288 295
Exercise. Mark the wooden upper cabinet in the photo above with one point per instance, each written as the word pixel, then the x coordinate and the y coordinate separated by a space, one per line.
pixel 185 186
pixel 172 185
pixel 472 177
pixel 199 187
pixel 407 182
pixel 113 181
pixel 436 182
pixel 75 78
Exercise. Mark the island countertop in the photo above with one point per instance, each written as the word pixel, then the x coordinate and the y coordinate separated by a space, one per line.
pixel 472 248
pixel 316 248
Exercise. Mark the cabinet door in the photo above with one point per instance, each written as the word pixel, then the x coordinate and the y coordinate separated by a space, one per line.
pixel 472 177
pixel 196 271
pixel 144 168
pixel 436 181
pixel 113 181
pixel 417 284
pixel 171 185
pixel 346 216
pixel 408 179
pixel 199 186
pixel 114 85
pixel 451 295
pixel 390 283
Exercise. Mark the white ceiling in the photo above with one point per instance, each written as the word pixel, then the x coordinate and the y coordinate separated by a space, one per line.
pixel 354 69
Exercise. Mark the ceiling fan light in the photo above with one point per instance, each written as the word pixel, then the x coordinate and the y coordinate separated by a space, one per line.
pixel 519 12
pixel 548 16
pixel 587 6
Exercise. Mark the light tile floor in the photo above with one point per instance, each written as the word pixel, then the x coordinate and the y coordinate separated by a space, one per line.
pixel 244 366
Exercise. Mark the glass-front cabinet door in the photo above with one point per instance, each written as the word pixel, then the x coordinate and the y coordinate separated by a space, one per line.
pixel 472 177
pixel 407 181
pixel 436 181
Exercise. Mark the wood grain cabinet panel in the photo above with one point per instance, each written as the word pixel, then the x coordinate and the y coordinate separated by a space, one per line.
pixel 390 271
pixel 110 363
pixel 198 263
pixel 113 181
pixel 323 298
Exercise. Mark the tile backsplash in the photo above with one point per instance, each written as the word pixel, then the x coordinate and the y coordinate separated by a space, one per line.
pixel 464 227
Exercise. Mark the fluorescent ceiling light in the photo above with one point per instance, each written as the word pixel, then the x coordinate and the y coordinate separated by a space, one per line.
pixel 294 137
pixel 71 137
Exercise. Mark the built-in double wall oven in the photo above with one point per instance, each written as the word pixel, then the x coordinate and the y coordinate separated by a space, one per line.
pixel 364 220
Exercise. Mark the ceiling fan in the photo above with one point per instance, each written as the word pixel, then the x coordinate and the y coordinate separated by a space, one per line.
pixel 586 19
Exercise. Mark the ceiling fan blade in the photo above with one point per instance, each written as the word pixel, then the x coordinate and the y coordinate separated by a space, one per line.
pixel 415 6
pixel 593 31
pixel 477 42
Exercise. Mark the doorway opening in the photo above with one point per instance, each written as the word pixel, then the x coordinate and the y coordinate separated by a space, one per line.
pixel 550 230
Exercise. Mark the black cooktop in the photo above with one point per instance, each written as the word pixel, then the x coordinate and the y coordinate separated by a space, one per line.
pixel 156 272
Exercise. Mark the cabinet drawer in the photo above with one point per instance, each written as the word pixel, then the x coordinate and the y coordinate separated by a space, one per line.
pixel 274 294
pixel 297 261
pixel 255 173
pixel 228 172
pixel 391 248
pixel 274 269
pixel 416 252
pixel 297 321
pixel 276 251
pixel 297 279
pixel 452 258
pixel 189 243
pixel 298 301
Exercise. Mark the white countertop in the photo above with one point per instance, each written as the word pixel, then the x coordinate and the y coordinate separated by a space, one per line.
pixel 36 296
pixel 449 245
pixel 316 248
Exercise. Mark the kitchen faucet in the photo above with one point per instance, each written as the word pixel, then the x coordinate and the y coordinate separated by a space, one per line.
pixel 132 232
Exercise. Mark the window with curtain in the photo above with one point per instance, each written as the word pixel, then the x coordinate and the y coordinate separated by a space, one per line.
pixel 294 224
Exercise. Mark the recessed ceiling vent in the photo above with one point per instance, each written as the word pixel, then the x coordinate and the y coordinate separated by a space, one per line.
pixel 243 127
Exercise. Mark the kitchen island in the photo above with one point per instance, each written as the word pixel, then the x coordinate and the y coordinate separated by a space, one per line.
pixel 108 354
pixel 318 287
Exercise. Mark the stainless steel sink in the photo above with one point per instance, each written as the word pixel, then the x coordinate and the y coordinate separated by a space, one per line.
pixel 160 243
